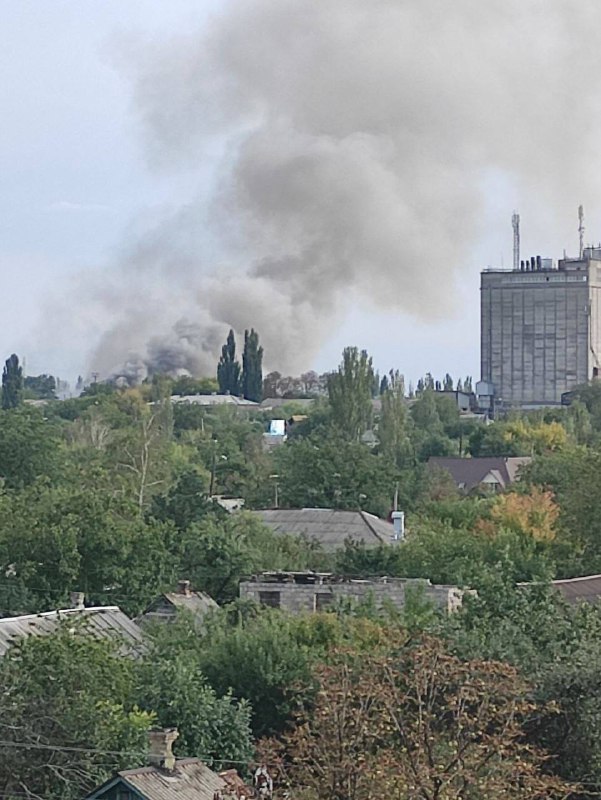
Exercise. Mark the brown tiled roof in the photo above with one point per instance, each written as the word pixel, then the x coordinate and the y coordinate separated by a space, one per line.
pixel 470 472
pixel 330 527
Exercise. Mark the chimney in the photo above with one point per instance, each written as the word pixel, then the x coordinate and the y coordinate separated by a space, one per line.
pixel 183 587
pixel 77 599
pixel 160 753
pixel 398 522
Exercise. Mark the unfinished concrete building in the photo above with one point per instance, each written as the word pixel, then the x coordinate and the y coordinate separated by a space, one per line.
pixel 308 592
pixel 541 328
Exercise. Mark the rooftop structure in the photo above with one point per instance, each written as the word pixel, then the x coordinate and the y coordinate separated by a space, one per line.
pixel 213 400
pixel 165 607
pixel 330 527
pixel 541 328
pixel 580 590
pixel 168 778
pixel 308 592
pixel 495 473
pixel 103 622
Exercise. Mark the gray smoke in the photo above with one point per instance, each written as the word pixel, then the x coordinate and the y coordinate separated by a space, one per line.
pixel 356 143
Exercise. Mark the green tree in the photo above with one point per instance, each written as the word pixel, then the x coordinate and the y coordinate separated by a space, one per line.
pixel 228 369
pixel 172 688
pixel 40 387
pixel 394 427
pixel 12 383
pixel 350 393
pixel 66 717
pixel 252 367
pixel 30 448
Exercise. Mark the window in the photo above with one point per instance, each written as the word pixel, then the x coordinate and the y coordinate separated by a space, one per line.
pixel 270 599
pixel 323 600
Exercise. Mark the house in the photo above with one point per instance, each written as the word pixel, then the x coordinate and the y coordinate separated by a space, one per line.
pixel 210 400
pixel 580 590
pixel 165 607
pixel 101 622
pixel 329 527
pixel 493 473
pixel 168 778
pixel 308 592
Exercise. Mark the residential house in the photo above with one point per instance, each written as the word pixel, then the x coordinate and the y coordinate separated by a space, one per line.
pixel 492 473
pixel 586 589
pixel 168 778
pixel 308 592
pixel 101 622
pixel 209 400
pixel 329 527
pixel 166 606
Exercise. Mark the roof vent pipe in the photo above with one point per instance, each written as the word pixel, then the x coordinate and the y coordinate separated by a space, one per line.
pixel 77 599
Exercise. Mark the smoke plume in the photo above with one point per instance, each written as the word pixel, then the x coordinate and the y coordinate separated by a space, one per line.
pixel 355 144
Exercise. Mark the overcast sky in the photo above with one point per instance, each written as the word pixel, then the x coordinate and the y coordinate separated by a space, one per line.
pixel 80 179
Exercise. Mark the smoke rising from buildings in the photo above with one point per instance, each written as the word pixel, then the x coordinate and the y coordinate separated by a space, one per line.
pixel 356 141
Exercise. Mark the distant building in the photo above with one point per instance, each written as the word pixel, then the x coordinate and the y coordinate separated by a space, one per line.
pixel 101 622
pixel 329 527
pixel 308 592
pixel 168 778
pixel 494 473
pixel 580 590
pixel 541 328
pixel 166 606
pixel 214 400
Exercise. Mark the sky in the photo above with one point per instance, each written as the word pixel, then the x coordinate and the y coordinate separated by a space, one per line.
pixel 332 173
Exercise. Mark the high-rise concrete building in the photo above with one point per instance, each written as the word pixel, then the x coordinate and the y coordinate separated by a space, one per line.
pixel 541 328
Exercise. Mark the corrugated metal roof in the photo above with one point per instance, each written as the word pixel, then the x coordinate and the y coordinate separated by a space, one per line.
pixel 104 622
pixel 330 527
pixel 191 780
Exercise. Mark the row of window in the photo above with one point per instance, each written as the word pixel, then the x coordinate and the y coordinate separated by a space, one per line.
pixel 274 599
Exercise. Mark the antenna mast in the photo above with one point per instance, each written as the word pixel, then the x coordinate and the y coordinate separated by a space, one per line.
pixel 581 229
pixel 515 221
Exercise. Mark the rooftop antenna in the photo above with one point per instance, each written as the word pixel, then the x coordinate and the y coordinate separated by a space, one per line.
pixel 581 229
pixel 515 221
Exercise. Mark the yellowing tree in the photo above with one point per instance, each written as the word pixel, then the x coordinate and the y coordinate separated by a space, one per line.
pixel 540 438
pixel 533 514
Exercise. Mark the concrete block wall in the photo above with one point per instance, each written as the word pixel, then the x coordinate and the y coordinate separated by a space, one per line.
pixel 300 598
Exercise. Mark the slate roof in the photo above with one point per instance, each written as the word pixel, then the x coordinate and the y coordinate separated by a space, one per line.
pixel 213 400
pixel 471 472
pixel 330 527
pixel 576 590
pixel 103 622
pixel 197 603
pixel 190 780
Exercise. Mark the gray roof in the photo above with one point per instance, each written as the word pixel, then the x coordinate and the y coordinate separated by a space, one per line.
pixel 105 622
pixel 197 603
pixel 277 402
pixel 213 400
pixel 470 472
pixel 331 528
pixel 190 780
pixel 575 590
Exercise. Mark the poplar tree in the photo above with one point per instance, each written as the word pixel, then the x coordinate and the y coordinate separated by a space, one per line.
pixel 349 392
pixel 12 383
pixel 252 367
pixel 228 369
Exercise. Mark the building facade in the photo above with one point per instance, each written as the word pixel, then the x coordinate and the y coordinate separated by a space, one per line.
pixel 541 328
pixel 309 592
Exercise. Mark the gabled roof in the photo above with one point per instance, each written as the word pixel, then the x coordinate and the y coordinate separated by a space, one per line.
pixel 330 527
pixel 197 603
pixel 574 590
pixel 470 472
pixel 213 400
pixel 190 780
pixel 103 622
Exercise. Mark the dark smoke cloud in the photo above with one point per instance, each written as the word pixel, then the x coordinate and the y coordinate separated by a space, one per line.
pixel 358 139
